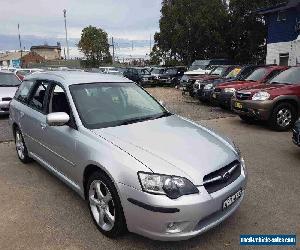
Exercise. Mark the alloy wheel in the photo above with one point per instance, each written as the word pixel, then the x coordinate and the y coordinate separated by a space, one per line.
pixel 284 117
pixel 102 205
pixel 20 145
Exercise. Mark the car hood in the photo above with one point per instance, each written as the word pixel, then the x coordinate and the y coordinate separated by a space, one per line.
pixel 239 84
pixel 265 87
pixel 173 146
pixel 8 91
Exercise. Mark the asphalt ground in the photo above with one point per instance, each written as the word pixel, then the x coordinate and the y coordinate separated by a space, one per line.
pixel 37 211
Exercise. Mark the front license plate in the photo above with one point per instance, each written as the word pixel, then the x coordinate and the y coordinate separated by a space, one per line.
pixel 214 95
pixel 238 105
pixel 232 199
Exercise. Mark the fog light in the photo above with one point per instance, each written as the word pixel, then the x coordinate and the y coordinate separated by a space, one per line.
pixel 173 227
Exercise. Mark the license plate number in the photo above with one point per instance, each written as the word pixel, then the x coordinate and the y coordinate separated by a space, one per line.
pixel 214 95
pixel 238 105
pixel 232 199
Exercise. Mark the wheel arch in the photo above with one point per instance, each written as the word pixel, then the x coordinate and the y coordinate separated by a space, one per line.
pixel 288 99
pixel 88 171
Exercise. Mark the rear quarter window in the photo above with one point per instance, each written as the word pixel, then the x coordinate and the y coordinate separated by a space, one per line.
pixel 22 94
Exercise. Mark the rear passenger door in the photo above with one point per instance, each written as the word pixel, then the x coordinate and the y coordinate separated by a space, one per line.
pixel 33 120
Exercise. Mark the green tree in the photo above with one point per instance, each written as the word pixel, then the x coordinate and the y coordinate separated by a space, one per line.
pixel 94 45
pixel 202 29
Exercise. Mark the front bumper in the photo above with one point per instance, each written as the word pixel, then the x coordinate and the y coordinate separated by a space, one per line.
pixel 4 107
pixel 224 99
pixel 192 214
pixel 260 110
pixel 205 95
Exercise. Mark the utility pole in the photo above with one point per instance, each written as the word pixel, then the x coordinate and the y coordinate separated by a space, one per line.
pixel 65 18
pixel 150 45
pixel 113 47
pixel 20 41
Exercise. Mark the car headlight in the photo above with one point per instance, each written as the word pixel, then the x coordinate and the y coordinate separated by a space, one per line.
pixel 208 86
pixel 171 186
pixel 229 90
pixel 261 96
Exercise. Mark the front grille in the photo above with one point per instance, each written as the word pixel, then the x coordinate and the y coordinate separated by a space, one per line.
pixel 6 99
pixel 242 96
pixel 221 178
pixel 217 90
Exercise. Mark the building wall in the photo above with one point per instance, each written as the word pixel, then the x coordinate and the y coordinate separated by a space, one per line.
pixel 284 30
pixel 49 54
pixel 275 49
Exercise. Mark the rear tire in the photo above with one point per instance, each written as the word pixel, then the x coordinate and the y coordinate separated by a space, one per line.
pixel 105 205
pixel 283 117
pixel 21 148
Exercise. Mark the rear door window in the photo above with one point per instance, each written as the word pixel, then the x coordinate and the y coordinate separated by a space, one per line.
pixel 37 100
pixel 23 92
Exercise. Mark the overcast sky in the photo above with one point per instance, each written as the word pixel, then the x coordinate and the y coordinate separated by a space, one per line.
pixel 129 19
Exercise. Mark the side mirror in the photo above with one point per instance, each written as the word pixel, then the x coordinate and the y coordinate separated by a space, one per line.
pixel 162 103
pixel 57 119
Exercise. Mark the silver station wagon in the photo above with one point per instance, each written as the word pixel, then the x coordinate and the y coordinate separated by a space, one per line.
pixel 139 167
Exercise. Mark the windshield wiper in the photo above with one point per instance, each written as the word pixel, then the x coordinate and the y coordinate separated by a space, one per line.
pixel 5 85
pixel 142 119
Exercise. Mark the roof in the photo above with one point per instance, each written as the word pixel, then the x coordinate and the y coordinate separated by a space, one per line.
pixel 279 7
pixel 12 55
pixel 45 47
pixel 74 77
pixel 6 72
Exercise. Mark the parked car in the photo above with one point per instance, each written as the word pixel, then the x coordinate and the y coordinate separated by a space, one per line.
pixel 276 102
pixel 238 74
pixel 21 73
pixel 113 143
pixel 219 72
pixel 157 71
pixel 224 92
pixel 296 133
pixel 9 84
pixel 171 76
pixel 186 84
pixel 200 67
pixel 139 75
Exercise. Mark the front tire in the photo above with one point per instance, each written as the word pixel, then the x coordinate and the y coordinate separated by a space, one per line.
pixel 105 205
pixel 283 117
pixel 21 148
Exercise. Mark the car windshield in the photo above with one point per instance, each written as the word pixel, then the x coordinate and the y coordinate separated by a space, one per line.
pixel 217 71
pixel 157 71
pixel 102 105
pixel 7 79
pixel 171 71
pixel 196 67
pixel 257 75
pixel 233 73
pixel 184 78
pixel 290 76
pixel 143 72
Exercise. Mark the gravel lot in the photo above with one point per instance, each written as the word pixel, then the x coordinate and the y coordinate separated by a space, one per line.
pixel 5 133
pixel 187 106
pixel 37 211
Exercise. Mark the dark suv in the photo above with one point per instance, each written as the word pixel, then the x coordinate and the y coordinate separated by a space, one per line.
pixel 139 75
pixel 277 102
pixel 171 76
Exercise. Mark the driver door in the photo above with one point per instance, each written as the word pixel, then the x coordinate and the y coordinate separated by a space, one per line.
pixel 61 141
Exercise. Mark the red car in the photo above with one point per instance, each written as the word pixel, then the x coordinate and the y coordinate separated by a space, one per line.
pixel 277 102
pixel 224 92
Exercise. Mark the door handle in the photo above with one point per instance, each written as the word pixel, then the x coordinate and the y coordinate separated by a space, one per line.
pixel 43 125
